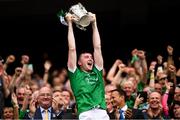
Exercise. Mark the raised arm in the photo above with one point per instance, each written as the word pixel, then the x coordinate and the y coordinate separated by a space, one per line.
pixel 4 80
pixel 10 59
pixel 47 66
pixel 24 62
pixel 170 55
pixel 112 72
pixel 142 56
pixel 152 74
pixel 98 59
pixel 72 57
pixel 15 106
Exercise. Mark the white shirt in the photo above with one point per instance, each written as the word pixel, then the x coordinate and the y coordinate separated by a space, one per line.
pixel 124 109
pixel 43 113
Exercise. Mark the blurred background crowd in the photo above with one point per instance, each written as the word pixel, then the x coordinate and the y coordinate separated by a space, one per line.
pixel 141 89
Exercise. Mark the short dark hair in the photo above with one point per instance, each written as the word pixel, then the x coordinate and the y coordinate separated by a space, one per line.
pixel 57 91
pixel 71 94
pixel 120 91
pixel 79 55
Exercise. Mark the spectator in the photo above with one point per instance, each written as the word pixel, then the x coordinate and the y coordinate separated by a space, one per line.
pixel 44 109
pixel 153 112
pixel 119 103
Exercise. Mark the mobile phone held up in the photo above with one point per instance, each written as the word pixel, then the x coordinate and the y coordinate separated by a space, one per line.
pixel 143 95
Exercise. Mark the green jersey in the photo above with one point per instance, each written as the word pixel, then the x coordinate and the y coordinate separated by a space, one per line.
pixel 88 89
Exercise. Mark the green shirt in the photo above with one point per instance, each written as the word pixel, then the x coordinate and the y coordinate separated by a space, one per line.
pixel 140 86
pixel 22 114
pixel 88 89
pixel 130 102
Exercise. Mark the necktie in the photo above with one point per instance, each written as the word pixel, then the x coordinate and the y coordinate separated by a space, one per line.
pixel 46 117
pixel 121 115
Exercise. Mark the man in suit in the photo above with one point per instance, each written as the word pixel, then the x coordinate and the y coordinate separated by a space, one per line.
pixel 44 110
pixel 121 109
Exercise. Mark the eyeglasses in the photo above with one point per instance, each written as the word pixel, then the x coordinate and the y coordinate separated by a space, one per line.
pixel 163 78
pixel 45 94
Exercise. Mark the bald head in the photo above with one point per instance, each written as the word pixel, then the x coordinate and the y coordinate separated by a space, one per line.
pixel 43 89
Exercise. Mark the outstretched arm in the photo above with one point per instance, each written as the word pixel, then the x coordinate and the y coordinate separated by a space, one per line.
pixel 10 59
pixel 98 59
pixel 47 66
pixel 112 72
pixel 72 57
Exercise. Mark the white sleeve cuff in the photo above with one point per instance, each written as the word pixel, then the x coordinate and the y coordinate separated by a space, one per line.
pixel 72 70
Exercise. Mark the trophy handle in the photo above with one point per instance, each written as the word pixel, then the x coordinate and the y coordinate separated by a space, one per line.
pixel 80 5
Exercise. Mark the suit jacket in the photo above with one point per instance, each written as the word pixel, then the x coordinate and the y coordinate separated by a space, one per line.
pixel 38 115
pixel 139 114
pixel 68 114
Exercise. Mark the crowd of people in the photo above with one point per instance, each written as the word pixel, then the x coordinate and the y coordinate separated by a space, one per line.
pixel 132 89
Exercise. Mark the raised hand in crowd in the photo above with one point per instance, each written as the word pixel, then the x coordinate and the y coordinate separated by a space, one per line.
pixel 172 73
pixel 15 105
pixel 13 81
pixel 170 59
pixel 24 59
pixel 10 59
pixel 134 52
pixel 152 66
pixel 47 67
pixel 170 50
pixel 140 64
pixel 141 54
pixel 138 101
pixel 159 59
pixel 25 75
pixel 32 107
pixel 112 72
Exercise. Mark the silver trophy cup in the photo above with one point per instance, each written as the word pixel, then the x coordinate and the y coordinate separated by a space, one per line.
pixel 82 19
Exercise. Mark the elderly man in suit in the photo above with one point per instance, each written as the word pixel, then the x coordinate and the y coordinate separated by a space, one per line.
pixel 44 109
